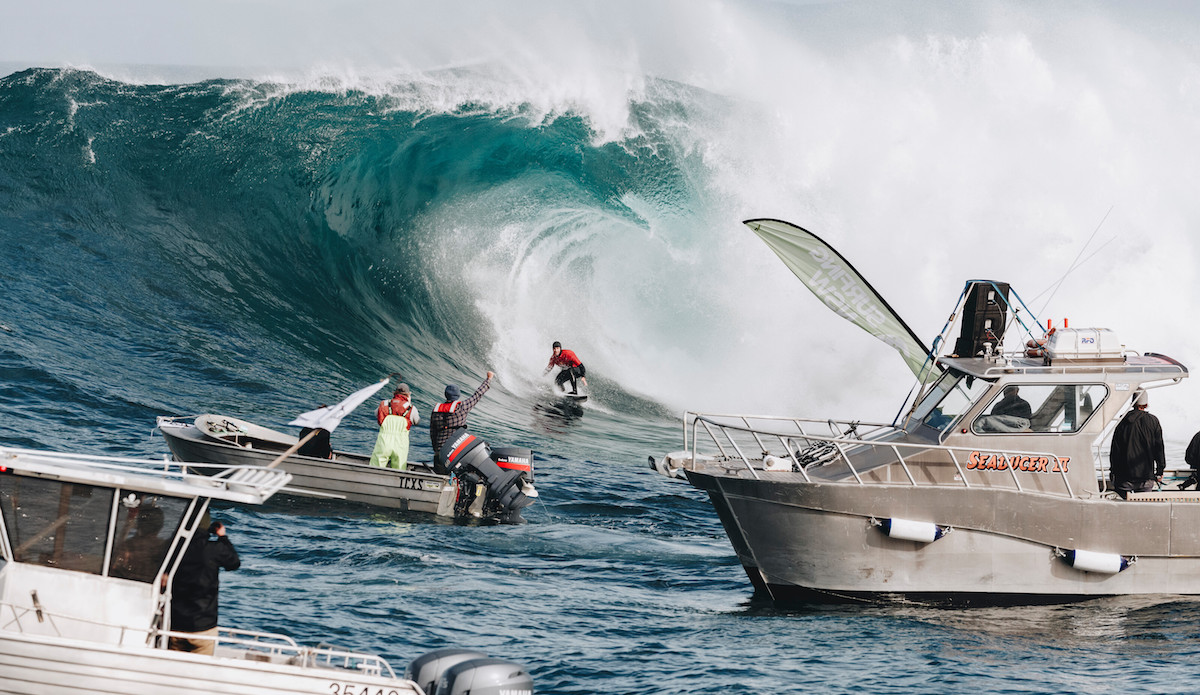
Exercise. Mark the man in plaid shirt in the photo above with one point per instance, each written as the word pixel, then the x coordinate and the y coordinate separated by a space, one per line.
pixel 452 414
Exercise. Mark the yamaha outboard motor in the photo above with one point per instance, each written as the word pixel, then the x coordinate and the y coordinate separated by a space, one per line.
pixel 425 670
pixel 462 671
pixel 469 459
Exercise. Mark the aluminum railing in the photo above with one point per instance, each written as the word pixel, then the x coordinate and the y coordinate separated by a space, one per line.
pixel 272 647
pixel 845 436
pixel 256 479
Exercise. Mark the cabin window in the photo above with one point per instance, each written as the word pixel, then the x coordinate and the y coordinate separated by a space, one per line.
pixel 56 524
pixel 1040 408
pixel 949 398
pixel 146 525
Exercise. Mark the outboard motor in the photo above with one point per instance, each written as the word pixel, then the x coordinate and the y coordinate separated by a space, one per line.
pixel 469 459
pixel 462 671
pixel 425 670
pixel 484 677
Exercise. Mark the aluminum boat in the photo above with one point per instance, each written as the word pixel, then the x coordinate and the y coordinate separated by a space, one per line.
pixel 85 541
pixel 347 476
pixel 954 502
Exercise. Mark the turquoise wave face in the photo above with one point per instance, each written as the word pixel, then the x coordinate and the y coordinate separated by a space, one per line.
pixel 272 233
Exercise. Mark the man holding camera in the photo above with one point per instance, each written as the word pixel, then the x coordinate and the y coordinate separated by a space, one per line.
pixel 194 591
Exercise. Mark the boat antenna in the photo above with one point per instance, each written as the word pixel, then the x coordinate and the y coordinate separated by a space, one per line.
pixel 1076 263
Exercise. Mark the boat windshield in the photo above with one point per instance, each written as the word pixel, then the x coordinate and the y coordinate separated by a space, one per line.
pixel 947 399
pixel 66 526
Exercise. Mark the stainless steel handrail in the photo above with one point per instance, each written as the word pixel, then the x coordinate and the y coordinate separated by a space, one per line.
pixel 270 643
pixel 841 444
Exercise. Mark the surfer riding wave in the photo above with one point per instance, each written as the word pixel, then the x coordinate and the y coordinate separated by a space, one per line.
pixel 571 369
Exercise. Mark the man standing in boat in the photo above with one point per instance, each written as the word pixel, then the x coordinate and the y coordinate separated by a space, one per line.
pixel 449 416
pixel 1137 457
pixel 572 368
pixel 195 588
pixel 396 417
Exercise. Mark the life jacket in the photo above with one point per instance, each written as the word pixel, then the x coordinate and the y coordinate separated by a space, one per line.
pixel 446 407
pixel 396 406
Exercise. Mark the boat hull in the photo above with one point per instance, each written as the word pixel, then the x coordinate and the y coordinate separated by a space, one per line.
pixel 802 541
pixel 345 477
pixel 37 665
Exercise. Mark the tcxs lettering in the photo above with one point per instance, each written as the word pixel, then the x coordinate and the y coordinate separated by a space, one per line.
pixel 409 483
pixel 1001 462
pixel 352 689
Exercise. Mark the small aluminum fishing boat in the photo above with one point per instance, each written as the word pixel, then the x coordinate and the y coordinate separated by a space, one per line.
pixel 84 542
pixel 347 476
pixel 962 500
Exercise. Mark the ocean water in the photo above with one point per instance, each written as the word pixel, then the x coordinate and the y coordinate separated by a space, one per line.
pixel 258 247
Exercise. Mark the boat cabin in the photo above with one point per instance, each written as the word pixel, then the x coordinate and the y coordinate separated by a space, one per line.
pixel 85 541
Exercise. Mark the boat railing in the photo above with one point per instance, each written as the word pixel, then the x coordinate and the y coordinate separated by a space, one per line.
pixel 246 644
pixel 13 618
pixel 275 648
pixel 253 480
pixel 806 446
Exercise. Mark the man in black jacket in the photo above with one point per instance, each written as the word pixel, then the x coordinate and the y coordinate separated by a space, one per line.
pixel 1192 457
pixel 1137 457
pixel 194 591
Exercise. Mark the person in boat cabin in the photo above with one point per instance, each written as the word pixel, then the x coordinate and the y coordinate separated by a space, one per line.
pixel 196 586
pixel 1137 457
pixel 452 414
pixel 1012 404
pixel 570 365
pixel 396 417
pixel 317 447
pixel 140 555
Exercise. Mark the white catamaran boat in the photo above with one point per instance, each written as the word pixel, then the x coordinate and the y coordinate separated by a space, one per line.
pixel 959 501
pixel 84 541
pixel 347 476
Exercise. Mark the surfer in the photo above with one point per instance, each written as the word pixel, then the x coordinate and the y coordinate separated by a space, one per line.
pixel 570 365
pixel 449 416
pixel 396 417
pixel 1137 456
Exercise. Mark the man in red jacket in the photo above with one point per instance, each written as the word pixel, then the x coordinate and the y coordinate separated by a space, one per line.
pixel 572 368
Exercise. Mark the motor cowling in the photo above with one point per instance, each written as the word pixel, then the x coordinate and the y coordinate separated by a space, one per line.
pixel 484 676
pixel 425 670
pixel 471 460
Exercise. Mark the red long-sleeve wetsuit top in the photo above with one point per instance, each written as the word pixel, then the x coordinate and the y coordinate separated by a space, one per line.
pixel 565 359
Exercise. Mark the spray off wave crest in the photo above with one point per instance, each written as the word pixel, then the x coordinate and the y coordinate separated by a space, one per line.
pixel 327 223
pixel 465 218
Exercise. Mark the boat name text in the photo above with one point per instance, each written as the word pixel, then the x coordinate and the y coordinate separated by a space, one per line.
pixel 978 461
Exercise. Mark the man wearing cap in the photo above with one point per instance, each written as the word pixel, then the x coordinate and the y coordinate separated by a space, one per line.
pixel 1137 457
pixel 396 417
pixel 570 365
pixel 449 416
